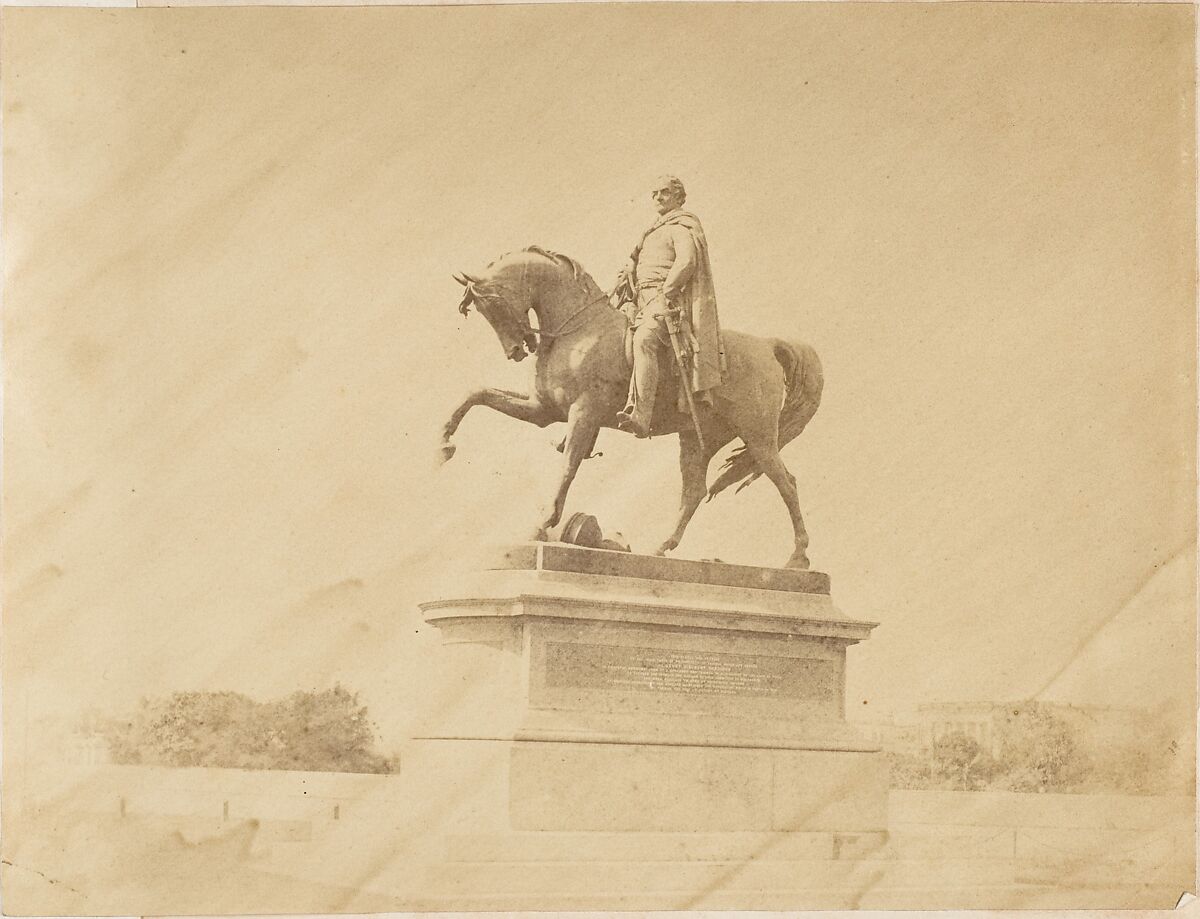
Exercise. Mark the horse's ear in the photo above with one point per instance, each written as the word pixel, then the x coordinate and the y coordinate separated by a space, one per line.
pixel 462 279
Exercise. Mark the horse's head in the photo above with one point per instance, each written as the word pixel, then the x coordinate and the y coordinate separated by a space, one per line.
pixel 505 309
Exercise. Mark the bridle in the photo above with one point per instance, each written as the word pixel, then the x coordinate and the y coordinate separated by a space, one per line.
pixel 564 327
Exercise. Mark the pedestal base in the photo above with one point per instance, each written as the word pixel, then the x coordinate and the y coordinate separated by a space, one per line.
pixel 499 785
pixel 594 691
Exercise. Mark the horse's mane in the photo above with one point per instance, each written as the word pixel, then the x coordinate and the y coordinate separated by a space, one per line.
pixel 578 272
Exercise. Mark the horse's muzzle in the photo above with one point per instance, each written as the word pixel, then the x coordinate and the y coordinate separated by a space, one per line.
pixel 527 345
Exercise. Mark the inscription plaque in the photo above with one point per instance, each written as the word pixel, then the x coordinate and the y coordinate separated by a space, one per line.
pixel 674 670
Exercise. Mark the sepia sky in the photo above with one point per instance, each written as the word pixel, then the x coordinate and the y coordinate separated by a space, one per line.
pixel 230 337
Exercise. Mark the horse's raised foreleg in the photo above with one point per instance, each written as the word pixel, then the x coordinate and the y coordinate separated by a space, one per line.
pixel 583 425
pixel 514 404
pixel 693 472
pixel 768 460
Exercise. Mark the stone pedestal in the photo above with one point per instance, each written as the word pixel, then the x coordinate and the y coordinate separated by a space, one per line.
pixel 589 690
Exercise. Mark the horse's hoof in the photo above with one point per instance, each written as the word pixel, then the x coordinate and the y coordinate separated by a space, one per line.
pixel 798 561
pixel 666 547
pixel 541 534
pixel 446 453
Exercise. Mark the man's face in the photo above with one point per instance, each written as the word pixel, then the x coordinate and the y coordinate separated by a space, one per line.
pixel 665 197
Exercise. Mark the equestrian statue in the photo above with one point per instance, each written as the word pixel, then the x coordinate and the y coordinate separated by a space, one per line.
pixel 600 361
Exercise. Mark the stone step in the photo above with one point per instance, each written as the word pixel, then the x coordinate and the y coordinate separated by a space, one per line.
pixel 1110 896
pixel 659 847
pixel 929 897
pixel 1149 847
pixel 676 877
pixel 1157 845
pixel 1063 811
pixel 585 878
pixel 952 842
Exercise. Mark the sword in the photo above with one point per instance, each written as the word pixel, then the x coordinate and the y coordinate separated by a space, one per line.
pixel 674 328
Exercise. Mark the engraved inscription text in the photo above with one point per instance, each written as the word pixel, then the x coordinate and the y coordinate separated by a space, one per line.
pixel 591 666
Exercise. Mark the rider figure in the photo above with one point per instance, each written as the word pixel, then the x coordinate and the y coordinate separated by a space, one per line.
pixel 669 269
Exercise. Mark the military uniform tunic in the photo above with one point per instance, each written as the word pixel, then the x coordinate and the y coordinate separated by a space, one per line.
pixel 666 260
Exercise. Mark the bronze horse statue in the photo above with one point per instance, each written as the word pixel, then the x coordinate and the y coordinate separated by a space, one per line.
pixel 771 390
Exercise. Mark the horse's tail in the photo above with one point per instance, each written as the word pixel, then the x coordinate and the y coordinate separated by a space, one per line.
pixel 803 381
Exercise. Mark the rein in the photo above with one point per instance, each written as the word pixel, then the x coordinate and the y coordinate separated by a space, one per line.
pixel 562 326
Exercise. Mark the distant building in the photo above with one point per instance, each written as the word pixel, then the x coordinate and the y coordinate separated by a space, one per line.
pixel 1096 725
pixel 57 740
pixel 83 749
pixel 977 720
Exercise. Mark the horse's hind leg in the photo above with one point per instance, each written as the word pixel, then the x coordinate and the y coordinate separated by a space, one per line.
pixel 693 471
pixel 769 461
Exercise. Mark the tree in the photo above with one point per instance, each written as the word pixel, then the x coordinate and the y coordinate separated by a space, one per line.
pixel 910 770
pixel 1039 751
pixel 325 731
pixel 959 759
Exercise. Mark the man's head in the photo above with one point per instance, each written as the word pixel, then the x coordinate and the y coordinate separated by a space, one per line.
pixel 668 194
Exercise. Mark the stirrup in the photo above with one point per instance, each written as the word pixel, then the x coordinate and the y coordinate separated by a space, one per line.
pixel 627 421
